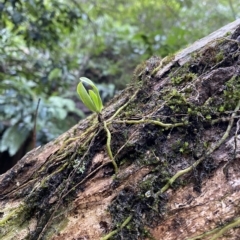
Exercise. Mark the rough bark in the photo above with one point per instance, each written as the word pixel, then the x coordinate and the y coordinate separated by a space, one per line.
pixel 173 134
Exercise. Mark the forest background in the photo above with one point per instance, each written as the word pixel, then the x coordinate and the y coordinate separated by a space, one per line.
pixel 46 45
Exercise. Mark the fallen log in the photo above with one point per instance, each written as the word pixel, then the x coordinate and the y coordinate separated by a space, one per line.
pixel 174 136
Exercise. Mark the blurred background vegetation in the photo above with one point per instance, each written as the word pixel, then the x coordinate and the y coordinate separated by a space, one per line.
pixel 46 45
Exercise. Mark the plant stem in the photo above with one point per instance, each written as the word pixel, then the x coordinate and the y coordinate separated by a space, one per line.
pixel 231 225
pixel 165 125
pixel 109 146
pixel 125 223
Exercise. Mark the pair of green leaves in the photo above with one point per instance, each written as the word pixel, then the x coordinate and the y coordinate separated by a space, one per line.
pixel 91 99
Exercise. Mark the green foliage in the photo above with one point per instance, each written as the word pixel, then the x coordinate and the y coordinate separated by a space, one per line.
pixel 91 99
pixel 17 112
pixel 32 66
pixel 40 23
pixel 46 45
pixel 13 138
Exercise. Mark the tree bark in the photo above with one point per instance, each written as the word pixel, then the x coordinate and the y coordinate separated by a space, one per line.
pixel 163 162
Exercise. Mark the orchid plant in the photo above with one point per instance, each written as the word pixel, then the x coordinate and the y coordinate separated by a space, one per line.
pixel 91 98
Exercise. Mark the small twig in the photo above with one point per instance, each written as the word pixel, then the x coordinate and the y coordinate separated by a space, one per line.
pixel 35 126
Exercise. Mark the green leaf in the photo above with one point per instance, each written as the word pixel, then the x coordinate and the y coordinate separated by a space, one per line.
pixel 55 73
pixel 13 138
pixel 82 92
pixel 88 81
pixel 61 102
pixel 92 98
pixel 208 117
pixel 60 113
pixel 100 105
pixel 97 101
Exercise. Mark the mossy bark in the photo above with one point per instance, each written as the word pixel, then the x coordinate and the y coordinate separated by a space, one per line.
pixel 163 162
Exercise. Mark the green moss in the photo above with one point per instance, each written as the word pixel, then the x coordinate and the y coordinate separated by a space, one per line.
pixel 188 77
pixel 219 57
pixel 58 225
pixel 139 71
pixel 13 221
pixel 231 93
pixel 184 148
pixel 176 102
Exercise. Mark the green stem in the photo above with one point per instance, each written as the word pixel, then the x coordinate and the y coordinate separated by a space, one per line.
pixel 109 146
pixel 125 223
pixel 231 225
pixel 177 175
pixel 219 231
pixel 204 234
pixel 165 125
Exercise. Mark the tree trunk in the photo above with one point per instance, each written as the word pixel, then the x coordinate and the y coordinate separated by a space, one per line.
pixel 162 162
